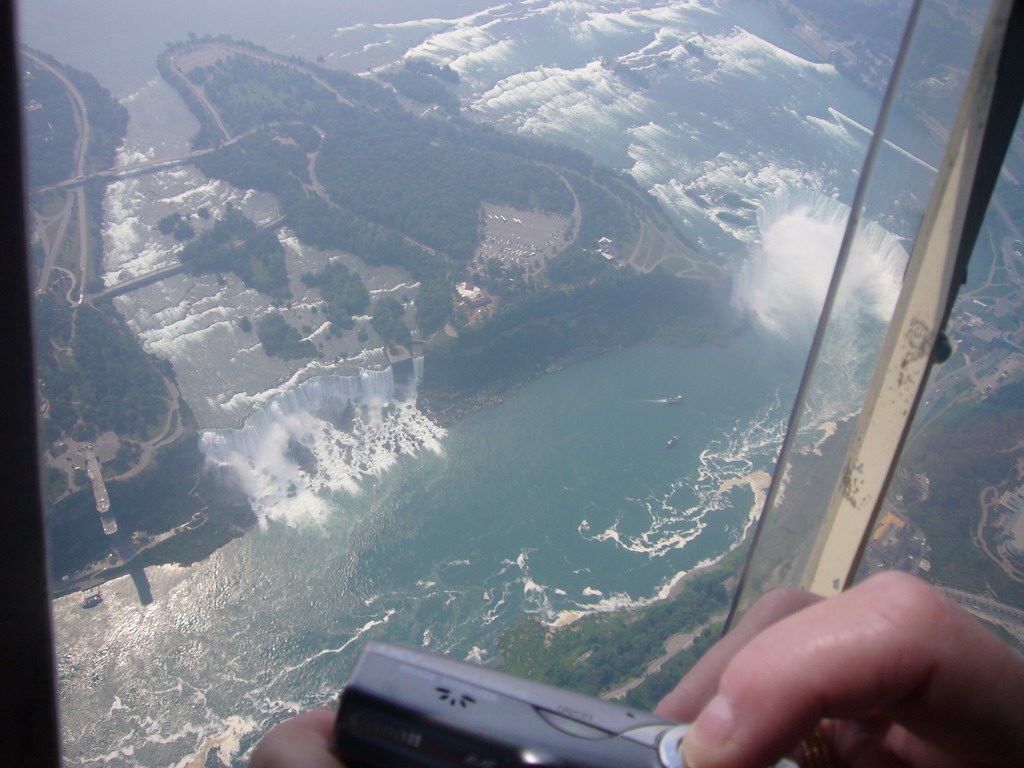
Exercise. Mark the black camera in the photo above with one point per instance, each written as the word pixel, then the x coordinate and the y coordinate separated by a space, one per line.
pixel 404 706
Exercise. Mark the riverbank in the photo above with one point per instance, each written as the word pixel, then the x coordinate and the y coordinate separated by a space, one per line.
pixel 481 368
pixel 675 645
pixel 626 652
pixel 177 511
pixel 445 409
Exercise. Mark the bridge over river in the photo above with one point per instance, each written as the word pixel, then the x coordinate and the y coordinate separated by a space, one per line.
pixel 148 278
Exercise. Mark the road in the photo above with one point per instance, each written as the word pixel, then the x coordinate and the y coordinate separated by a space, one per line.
pixel 53 231
pixel 76 197
pixel 991 610
pixel 51 243
pixel 173 429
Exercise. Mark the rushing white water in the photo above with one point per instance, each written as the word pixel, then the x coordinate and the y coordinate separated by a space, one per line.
pixel 319 438
pixel 785 282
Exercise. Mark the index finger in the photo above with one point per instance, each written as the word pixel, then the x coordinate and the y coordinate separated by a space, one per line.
pixel 890 646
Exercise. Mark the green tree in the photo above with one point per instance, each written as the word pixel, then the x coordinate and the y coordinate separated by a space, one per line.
pixel 235 244
pixel 387 321
pixel 343 291
pixel 279 339
pixel 433 306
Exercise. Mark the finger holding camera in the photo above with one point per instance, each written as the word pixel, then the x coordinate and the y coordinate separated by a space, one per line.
pixel 304 741
pixel 894 672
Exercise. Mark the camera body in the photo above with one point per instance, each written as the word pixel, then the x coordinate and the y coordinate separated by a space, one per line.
pixel 408 707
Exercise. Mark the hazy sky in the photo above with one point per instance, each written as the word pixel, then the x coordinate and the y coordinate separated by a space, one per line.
pixel 118 40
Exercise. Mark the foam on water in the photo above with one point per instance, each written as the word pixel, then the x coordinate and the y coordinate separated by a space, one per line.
pixel 685 510
pixel 785 282
pixel 134 246
pixel 741 53
pixel 320 438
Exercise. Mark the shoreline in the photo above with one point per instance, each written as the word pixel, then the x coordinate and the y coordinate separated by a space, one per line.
pixel 445 414
pixel 463 404
pixel 758 482
pixel 454 406
pixel 725 569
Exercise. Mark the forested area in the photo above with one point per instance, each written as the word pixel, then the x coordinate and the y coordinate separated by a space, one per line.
pixel 259 162
pixel 120 387
pixel 421 81
pixel 252 92
pixel 279 339
pixel 50 127
pixel 100 379
pixel 177 225
pixel 407 174
pixel 600 651
pixel 108 120
pixel 550 324
pixel 604 215
pixel 433 305
pixel 325 226
pixel 235 244
pixel 387 321
pixel 647 695
pixel 56 372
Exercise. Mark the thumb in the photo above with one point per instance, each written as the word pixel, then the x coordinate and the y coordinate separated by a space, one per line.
pixel 891 647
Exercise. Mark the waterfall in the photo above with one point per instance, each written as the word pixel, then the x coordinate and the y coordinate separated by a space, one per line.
pixel 320 438
pixel 784 283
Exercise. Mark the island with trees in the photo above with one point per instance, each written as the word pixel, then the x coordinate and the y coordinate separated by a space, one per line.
pixel 356 170
pixel 381 169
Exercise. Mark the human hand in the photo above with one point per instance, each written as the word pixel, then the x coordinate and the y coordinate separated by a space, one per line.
pixel 301 742
pixel 901 675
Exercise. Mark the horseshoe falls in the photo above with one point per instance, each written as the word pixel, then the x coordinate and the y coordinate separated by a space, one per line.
pixel 783 285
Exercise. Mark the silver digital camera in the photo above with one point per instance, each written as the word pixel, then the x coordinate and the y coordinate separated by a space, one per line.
pixel 404 707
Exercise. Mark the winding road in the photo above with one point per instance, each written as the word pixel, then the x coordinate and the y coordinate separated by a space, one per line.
pixel 76 197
